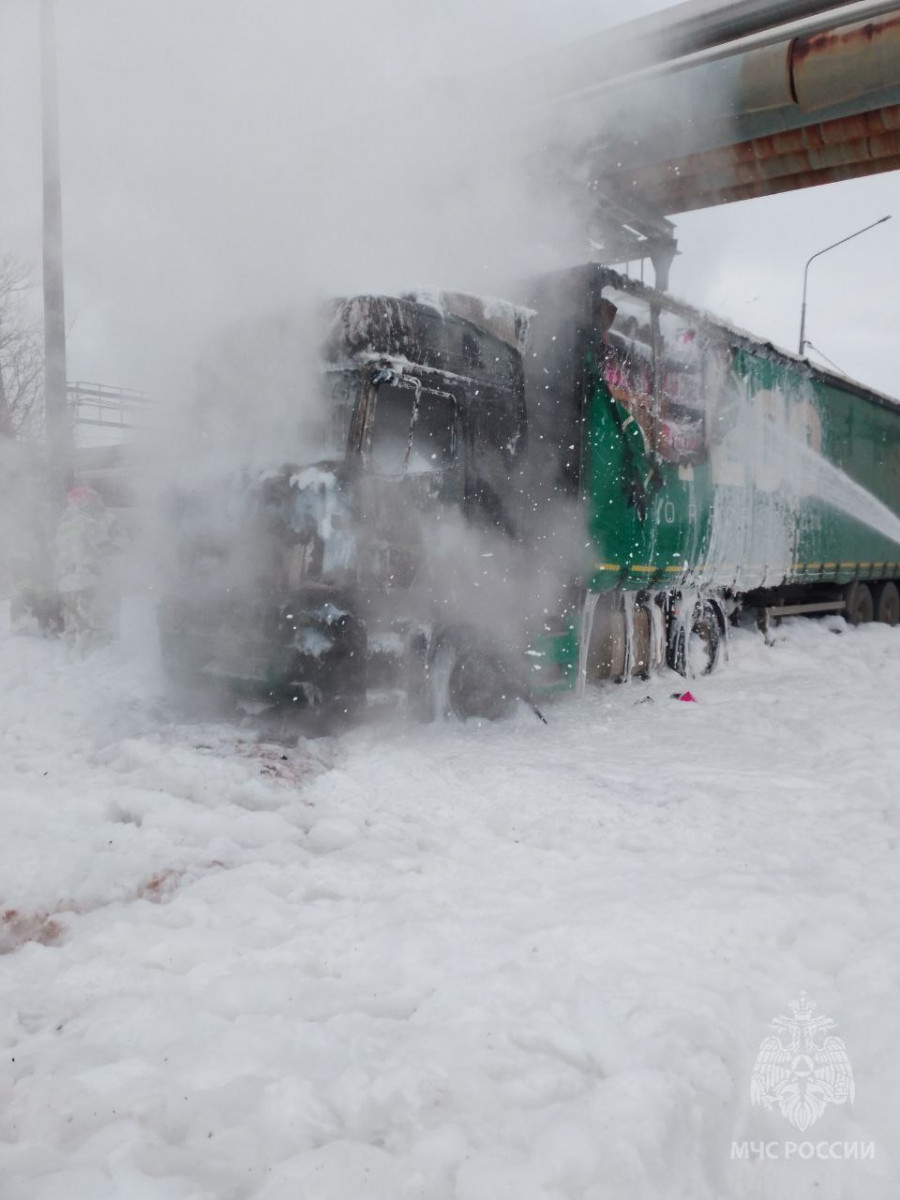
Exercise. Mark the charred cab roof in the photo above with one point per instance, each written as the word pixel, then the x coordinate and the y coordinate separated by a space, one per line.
pixel 421 333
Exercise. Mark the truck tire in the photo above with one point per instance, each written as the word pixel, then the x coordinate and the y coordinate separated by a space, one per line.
pixel 887 604
pixel 695 651
pixel 859 606
pixel 467 681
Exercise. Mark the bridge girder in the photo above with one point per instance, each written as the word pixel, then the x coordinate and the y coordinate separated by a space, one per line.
pixel 736 119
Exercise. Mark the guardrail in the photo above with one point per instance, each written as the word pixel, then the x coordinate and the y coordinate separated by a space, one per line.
pixel 109 407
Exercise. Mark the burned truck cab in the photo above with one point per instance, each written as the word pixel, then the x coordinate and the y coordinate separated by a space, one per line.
pixel 342 591
pixel 433 389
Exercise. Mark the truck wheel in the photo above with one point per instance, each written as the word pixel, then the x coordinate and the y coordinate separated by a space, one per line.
pixel 859 606
pixel 468 682
pixel 695 651
pixel 887 604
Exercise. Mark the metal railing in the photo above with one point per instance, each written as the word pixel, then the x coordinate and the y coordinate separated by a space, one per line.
pixel 109 407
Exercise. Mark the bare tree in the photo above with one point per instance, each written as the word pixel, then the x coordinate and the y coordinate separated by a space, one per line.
pixel 21 352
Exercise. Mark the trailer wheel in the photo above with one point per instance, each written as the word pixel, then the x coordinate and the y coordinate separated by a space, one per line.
pixel 887 604
pixel 859 606
pixel 695 651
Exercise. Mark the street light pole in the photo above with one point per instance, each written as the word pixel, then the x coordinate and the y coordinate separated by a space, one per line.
pixel 818 253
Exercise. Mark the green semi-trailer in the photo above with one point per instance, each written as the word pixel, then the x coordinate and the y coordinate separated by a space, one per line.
pixel 519 499
pixel 712 468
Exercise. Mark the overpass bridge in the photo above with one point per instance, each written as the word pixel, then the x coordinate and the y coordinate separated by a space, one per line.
pixel 708 103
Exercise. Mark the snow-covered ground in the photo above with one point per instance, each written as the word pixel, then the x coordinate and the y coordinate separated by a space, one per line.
pixel 487 962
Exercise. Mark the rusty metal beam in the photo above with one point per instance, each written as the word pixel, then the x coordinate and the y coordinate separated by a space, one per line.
pixel 807 142
pixel 860 143
pixel 787 183
pixel 768 159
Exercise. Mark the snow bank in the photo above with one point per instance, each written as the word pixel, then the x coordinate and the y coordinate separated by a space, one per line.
pixel 507 962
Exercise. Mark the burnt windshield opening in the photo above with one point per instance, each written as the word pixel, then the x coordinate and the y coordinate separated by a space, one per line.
pixel 412 432
pixel 391 433
pixel 432 444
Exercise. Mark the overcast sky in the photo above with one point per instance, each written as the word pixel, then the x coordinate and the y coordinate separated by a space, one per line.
pixel 224 158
